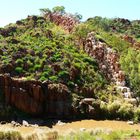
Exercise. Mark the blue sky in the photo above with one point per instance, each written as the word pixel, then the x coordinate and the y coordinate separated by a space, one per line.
pixel 12 10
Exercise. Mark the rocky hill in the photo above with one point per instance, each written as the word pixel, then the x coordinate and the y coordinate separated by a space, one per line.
pixel 54 66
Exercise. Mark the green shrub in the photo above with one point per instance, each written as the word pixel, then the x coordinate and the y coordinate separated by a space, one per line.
pixel 113 108
pixel 53 78
pixel 137 114
pixel 70 84
pixel 46 73
pixel 112 136
pixel 63 75
pixel 19 70
pixel 37 67
pixel 126 111
pixel 10 135
pixel 19 61
pixel 104 110
pixel 42 78
pixel 30 64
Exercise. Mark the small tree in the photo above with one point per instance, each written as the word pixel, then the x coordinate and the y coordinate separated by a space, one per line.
pixel 77 16
pixel 59 9
pixel 45 11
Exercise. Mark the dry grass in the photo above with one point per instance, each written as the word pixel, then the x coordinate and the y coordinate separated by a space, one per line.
pixel 34 133
pixel 92 124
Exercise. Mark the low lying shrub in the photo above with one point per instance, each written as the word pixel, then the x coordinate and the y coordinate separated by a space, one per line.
pixel 10 135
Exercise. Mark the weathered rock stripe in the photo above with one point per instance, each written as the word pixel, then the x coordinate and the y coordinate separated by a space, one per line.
pixel 108 61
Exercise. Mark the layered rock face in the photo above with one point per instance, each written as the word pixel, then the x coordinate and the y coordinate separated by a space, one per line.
pixel 132 41
pixel 42 99
pixel 66 21
pixel 108 61
pixel 36 98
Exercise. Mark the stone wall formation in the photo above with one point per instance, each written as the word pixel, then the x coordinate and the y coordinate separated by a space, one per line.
pixel 36 98
pixel 66 21
pixel 108 61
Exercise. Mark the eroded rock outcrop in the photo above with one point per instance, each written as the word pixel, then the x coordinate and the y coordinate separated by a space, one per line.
pixel 66 21
pixel 36 98
pixel 58 100
pixel 132 41
pixel 108 61
pixel 7 32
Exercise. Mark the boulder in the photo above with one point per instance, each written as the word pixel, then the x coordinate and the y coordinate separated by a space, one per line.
pixel 88 101
pixel 25 123
pixel 15 124
pixel 130 122
pixel 82 129
pixel 19 22
pixel 60 123
pixel 91 110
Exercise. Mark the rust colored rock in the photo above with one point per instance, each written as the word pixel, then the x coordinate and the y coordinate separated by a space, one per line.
pixel 7 93
pixel 38 94
pixel 2 82
pixel 7 80
pixel 137 45
pixel 13 96
pixel 107 58
pixel 35 107
pixel 34 97
pixel 121 76
pixel 129 39
pixel 66 21
pixel 74 72
pixel 57 97
pixel 21 100
pixel 58 88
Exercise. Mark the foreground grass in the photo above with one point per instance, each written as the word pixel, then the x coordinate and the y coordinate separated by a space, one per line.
pixel 100 135
pixel 10 135
pixel 96 134
pixel 16 135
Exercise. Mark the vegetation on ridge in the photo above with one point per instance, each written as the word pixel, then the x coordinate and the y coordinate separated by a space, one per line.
pixel 36 48
pixel 128 48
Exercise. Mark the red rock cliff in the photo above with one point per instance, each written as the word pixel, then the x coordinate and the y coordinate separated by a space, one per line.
pixel 36 98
